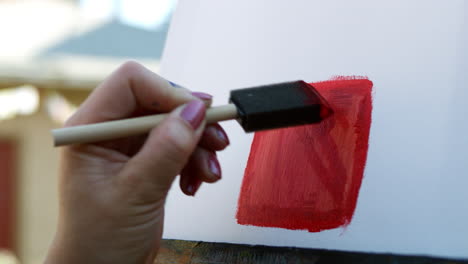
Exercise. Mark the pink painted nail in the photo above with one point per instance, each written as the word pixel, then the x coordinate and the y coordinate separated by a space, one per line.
pixel 193 187
pixel 203 96
pixel 221 134
pixel 194 113
pixel 213 165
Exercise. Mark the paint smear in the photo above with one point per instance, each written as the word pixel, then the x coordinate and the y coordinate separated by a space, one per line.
pixel 308 177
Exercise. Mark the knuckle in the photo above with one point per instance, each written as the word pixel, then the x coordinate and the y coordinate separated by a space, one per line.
pixel 130 68
pixel 165 91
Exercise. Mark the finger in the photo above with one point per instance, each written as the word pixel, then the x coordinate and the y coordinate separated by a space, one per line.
pixel 127 90
pixel 189 185
pixel 207 98
pixel 203 166
pixel 152 170
pixel 214 138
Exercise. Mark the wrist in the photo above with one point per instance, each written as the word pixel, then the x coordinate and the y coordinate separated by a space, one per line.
pixel 78 249
pixel 64 249
pixel 60 252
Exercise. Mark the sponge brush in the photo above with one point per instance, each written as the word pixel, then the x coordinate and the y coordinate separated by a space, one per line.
pixel 258 108
pixel 279 105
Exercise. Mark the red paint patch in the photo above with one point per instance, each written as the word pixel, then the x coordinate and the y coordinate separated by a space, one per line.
pixel 308 177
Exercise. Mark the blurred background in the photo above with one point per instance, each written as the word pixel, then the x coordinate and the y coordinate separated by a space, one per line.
pixel 52 54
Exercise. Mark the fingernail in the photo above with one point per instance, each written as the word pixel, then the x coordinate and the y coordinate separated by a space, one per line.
pixel 193 187
pixel 221 134
pixel 203 96
pixel 213 165
pixel 194 113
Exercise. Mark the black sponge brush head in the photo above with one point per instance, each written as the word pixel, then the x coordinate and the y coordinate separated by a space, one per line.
pixel 279 105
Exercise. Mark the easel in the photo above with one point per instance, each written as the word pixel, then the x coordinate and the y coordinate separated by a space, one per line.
pixel 190 252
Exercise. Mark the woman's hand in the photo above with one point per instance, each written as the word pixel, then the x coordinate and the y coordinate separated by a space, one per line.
pixel 112 194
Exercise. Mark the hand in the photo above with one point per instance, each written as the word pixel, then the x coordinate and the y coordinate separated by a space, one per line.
pixel 112 194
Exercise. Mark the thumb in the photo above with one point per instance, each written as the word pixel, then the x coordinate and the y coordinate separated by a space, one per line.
pixel 166 151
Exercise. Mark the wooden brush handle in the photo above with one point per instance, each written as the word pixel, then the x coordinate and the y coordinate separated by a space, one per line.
pixel 128 127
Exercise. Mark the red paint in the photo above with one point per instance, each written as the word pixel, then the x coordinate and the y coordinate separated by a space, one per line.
pixel 7 192
pixel 308 177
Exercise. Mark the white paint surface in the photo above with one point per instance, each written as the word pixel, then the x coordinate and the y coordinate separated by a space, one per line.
pixel 413 198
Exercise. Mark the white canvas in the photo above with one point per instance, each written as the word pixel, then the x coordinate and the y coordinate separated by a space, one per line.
pixel 413 198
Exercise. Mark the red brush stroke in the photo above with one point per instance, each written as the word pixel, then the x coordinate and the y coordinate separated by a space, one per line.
pixel 308 177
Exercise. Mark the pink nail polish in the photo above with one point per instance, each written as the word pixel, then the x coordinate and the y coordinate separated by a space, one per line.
pixel 192 187
pixel 213 165
pixel 203 96
pixel 194 113
pixel 222 134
